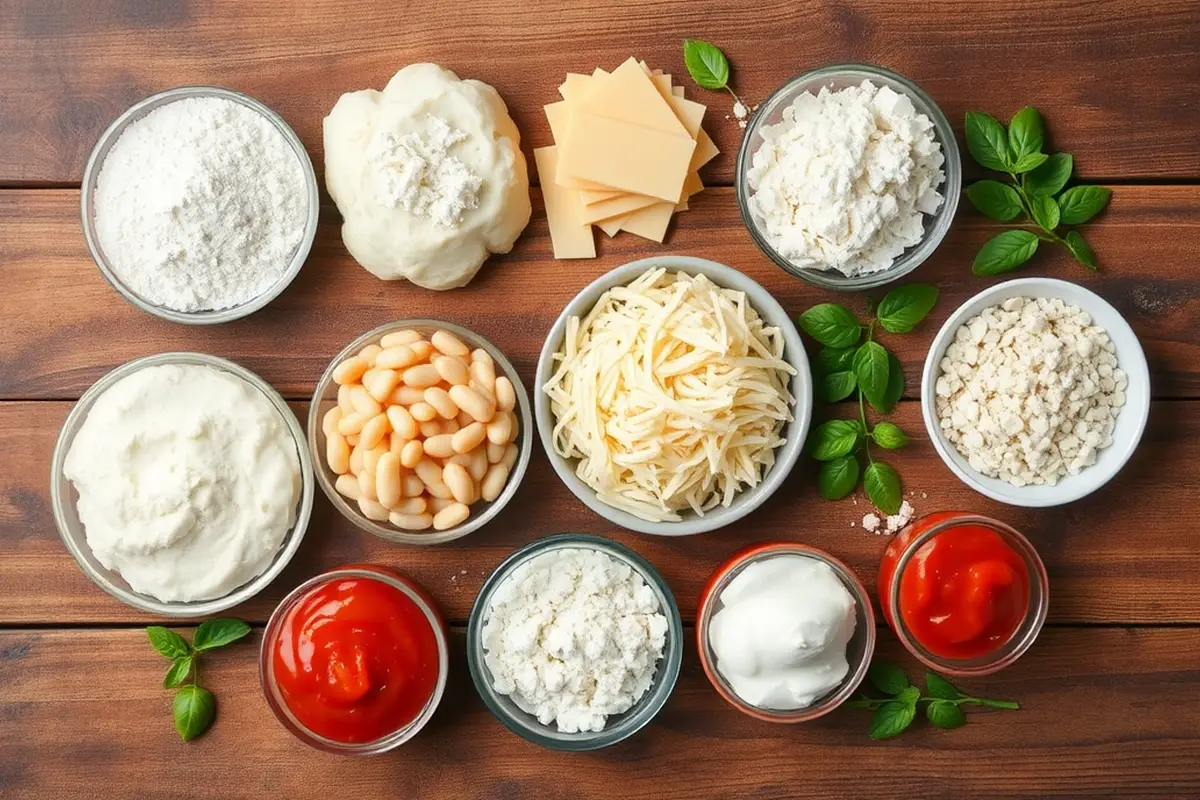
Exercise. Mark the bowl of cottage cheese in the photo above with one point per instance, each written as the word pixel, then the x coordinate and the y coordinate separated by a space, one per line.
pixel 181 484
pixel 848 177
pixel 1035 392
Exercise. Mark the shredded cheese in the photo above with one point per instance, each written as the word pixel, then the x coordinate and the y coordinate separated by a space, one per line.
pixel 672 393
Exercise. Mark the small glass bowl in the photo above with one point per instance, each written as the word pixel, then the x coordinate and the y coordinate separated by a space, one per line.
pixel 95 164
pixel 266 668
pixel 905 544
pixel 63 496
pixel 325 398
pixel 858 651
pixel 837 77
pixel 620 726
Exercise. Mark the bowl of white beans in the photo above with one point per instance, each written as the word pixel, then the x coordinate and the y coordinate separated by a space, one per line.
pixel 420 431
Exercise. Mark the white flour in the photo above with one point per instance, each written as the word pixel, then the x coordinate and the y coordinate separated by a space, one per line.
pixel 842 181
pixel 416 172
pixel 200 205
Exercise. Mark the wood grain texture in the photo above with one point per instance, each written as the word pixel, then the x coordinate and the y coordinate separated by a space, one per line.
pixel 1124 554
pixel 1116 78
pixel 62 326
pixel 1085 730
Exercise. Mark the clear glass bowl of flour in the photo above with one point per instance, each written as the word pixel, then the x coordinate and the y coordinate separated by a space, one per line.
pixel 91 175
pixel 837 77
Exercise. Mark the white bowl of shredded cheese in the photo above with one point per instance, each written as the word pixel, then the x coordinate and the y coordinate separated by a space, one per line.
pixel 673 395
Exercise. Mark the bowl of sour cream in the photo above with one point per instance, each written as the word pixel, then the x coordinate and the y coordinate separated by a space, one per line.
pixel 785 632
pixel 182 484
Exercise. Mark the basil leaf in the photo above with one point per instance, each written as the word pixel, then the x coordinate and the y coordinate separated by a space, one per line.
pixel 871 369
pixel 987 141
pixel 1025 132
pixel 1081 203
pixel 889 436
pixel 706 63
pixel 1050 177
pixel 834 359
pixel 837 478
pixel 831 325
pixel 1029 162
pixel 1081 250
pixel 837 386
pixel 910 695
pixel 194 709
pixel 895 385
pixel 168 643
pixel 883 486
pixel 891 719
pixel 995 199
pixel 939 687
pixel 216 633
pixel 902 308
pixel 178 672
pixel 834 439
pixel 1005 252
pixel 945 715
pixel 888 677
pixel 1045 211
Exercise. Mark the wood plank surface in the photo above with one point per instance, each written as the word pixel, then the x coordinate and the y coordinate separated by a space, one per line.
pixel 1125 554
pixel 1119 80
pixel 1104 713
pixel 62 326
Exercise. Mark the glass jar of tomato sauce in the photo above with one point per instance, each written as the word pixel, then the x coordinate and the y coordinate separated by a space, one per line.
pixel 965 594
pixel 354 661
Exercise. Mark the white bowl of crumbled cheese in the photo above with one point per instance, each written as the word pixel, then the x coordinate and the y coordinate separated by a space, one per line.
pixel 848 177
pixel 1035 392
pixel 199 205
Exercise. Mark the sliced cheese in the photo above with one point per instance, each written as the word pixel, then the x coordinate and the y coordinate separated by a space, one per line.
pixel 651 223
pixel 628 94
pixel 613 226
pixel 705 152
pixel 574 86
pixel 590 196
pixel 611 152
pixel 568 236
pixel 622 204
pixel 677 91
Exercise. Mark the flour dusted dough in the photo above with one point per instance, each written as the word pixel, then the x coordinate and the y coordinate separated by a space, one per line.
pixel 428 175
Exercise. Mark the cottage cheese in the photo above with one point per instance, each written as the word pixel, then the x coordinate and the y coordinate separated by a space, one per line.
pixel 842 181
pixel 1029 391
pixel 417 172
pixel 574 636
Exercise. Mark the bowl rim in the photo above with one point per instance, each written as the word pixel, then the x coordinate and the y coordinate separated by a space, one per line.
pixel 95 163
pixel 1131 360
pixel 666 671
pixel 476 521
pixel 143 602
pixel 864 620
pixel 932 236
pixel 787 454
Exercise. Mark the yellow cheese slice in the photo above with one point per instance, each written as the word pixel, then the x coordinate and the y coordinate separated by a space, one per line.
pixel 677 91
pixel 574 86
pixel 628 94
pixel 650 223
pixel 569 238
pixel 623 204
pixel 559 116
pixel 613 226
pixel 622 155
pixel 590 196
pixel 705 152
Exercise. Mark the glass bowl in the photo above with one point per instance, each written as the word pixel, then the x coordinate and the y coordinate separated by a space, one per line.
pixel 266 671
pixel 836 77
pixel 858 651
pixel 91 175
pixel 905 544
pixel 325 398
pixel 619 726
pixel 63 496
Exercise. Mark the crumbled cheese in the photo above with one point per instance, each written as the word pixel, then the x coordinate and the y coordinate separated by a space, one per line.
pixel 1029 391
pixel 416 172
pixel 872 523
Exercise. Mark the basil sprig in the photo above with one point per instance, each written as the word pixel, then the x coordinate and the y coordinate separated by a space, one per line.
pixel 850 363
pixel 1035 191
pixel 708 66
pixel 194 706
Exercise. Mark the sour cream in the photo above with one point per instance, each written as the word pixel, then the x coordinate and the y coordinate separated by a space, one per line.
pixel 781 632
pixel 188 481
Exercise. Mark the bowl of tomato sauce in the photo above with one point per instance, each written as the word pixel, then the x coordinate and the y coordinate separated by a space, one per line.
pixel 967 595
pixel 354 660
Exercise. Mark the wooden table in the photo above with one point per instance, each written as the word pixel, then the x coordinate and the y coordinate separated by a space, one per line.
pixel 1111 689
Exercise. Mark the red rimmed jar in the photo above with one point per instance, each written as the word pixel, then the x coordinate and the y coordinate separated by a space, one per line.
pixel 858 652
pixel 915 542
pixel 354 672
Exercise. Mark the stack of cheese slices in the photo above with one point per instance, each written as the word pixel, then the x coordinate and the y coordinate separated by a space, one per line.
pixel 628 147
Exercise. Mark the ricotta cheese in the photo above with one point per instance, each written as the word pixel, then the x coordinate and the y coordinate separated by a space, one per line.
pixel 415 171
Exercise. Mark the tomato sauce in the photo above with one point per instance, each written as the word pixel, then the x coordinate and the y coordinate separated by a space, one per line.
pixel 355 660
pixel 963 594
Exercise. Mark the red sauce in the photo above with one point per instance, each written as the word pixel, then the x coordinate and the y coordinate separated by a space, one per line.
pixel 964 592
pixel 355 660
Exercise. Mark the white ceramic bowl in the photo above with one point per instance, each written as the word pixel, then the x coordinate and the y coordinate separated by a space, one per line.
pixel 795 432
pixel 1131 420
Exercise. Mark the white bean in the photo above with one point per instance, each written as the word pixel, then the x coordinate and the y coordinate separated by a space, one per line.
pixel 372 509
pixel 421 376
pixel 498 430
pixel 423 349
pixel 364 403
pixel 411 522
pixel 356 460
pixel 347 486
pixel 495 452
pixel 412 486
pixel 366 485
pixel 440 446
pixel 350 370
pixel 397 338
pixel 402 422
pixel 510 456
pixel 411 505
pixel 448 343
pixel 423 412
pixel 412 453
pixel 374 430
pixel 330 420
pixel 478 466
pixel 344 401
pixel 382 383
pixel 471 401
pixel 337 453
pixel 484 374
pixel 387 480
pixel 493 482
pixel 351 423
pixel 431 428
pixel 506 395
pixel 436 504
pixel 450 516
pixel 439 398
pixel 369 354
pixel 459 482
pixel 407 396
pixel 468 438
pixel 397 357
pixel 479 354
pixel 452 370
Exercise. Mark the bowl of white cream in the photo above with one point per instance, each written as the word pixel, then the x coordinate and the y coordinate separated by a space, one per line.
pixel 785 632
pixel 181 484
